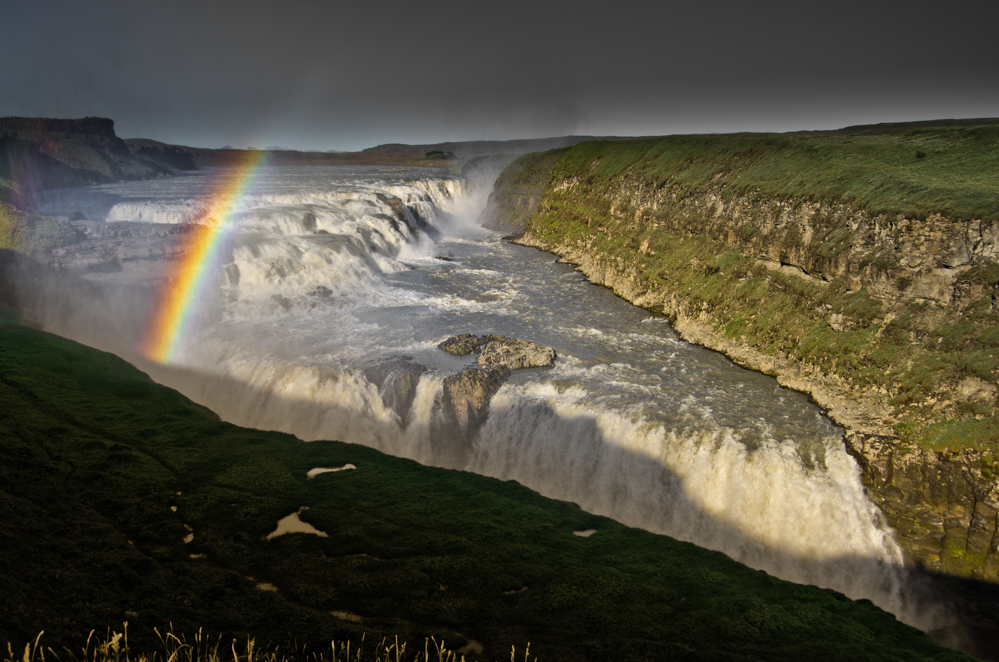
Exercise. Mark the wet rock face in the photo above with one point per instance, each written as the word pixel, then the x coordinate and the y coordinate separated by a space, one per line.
pixel 943 506
pixel 393 202
pixel 464 407
pixel 517 192
pixel 467 394
pixel 397 381
pixel 511 353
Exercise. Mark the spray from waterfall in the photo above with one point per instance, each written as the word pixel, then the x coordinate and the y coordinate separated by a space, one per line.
pixel 331 285
pixel 181 290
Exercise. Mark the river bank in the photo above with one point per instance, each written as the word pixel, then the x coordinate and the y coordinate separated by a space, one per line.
pixel 879 306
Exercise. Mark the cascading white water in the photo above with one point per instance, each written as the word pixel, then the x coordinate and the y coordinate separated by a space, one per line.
pixel 332 272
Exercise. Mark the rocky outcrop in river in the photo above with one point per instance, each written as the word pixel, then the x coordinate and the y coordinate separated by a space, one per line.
pixel 510 353
pixel 467 394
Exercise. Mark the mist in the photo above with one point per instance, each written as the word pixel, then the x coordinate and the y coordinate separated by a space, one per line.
pixel 334 285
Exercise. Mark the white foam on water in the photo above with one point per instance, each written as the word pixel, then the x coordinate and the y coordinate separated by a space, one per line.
pixel 763 507
pixel 321 278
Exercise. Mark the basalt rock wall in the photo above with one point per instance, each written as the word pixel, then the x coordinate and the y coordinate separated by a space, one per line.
pixel 43 153
pixel 517 192
pixel 25 126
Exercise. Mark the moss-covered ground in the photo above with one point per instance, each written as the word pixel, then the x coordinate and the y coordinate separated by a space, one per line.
pixel 10 226
pixel 914 170
pixel 102 471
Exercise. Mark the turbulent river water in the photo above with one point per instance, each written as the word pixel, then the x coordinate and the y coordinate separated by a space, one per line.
pixel 329 272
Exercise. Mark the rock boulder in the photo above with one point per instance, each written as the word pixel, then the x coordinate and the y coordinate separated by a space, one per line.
pixel 462 344
pixel 467 394
pixel 511 353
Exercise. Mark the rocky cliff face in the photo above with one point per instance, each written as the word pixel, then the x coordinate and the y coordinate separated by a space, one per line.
pixel 465 396
pixel 885 319
pixel 42 126
pixel 517 192
pixel 157 154
pixel 40 153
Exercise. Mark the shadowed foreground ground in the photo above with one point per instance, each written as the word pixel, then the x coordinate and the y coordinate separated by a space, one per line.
pixel 103 473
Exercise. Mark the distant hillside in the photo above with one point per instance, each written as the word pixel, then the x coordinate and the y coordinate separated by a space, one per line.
pixel 388 154
pixel 170 156
pixel 470 149
pixel 900 127
pixel 42 153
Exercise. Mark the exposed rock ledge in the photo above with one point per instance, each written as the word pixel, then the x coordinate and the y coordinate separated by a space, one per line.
pixel 40 153
pixel 510 353
pixel 468 393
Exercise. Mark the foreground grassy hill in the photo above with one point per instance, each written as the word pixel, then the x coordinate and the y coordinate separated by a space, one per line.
pixel 859 266
pixel 122 500
pixel 9 226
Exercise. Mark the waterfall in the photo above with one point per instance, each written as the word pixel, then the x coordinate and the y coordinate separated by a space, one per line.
pixel 332 276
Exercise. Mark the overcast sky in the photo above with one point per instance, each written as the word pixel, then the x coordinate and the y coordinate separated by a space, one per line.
pixel 331 75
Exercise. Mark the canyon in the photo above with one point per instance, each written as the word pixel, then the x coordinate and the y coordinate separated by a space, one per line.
pixel 884 317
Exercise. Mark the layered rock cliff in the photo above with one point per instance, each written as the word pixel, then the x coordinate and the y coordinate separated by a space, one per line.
pixel 518 190
pixel 871 288
pixel 41 153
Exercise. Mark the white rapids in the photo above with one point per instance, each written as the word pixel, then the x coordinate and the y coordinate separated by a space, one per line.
pixel 330 272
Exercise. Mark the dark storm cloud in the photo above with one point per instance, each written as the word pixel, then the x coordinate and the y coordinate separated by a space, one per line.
pixel 349 75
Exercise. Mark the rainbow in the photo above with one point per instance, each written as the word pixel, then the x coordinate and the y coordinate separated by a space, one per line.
pixel 184 284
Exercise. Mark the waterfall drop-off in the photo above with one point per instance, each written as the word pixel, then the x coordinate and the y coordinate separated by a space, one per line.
pixel 322 315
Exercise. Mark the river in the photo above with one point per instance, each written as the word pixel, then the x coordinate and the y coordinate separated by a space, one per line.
pixel 329 275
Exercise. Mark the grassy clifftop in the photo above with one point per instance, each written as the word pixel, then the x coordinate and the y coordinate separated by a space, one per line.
pixel 10 226
pixel 104 474
pixel 910 170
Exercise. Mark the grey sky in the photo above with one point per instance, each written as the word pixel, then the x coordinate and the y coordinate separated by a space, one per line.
pixel 333 75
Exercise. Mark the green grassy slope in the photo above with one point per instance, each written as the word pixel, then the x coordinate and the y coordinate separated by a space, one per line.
pixel 10 226
pixel 93 455
pixel 915 171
